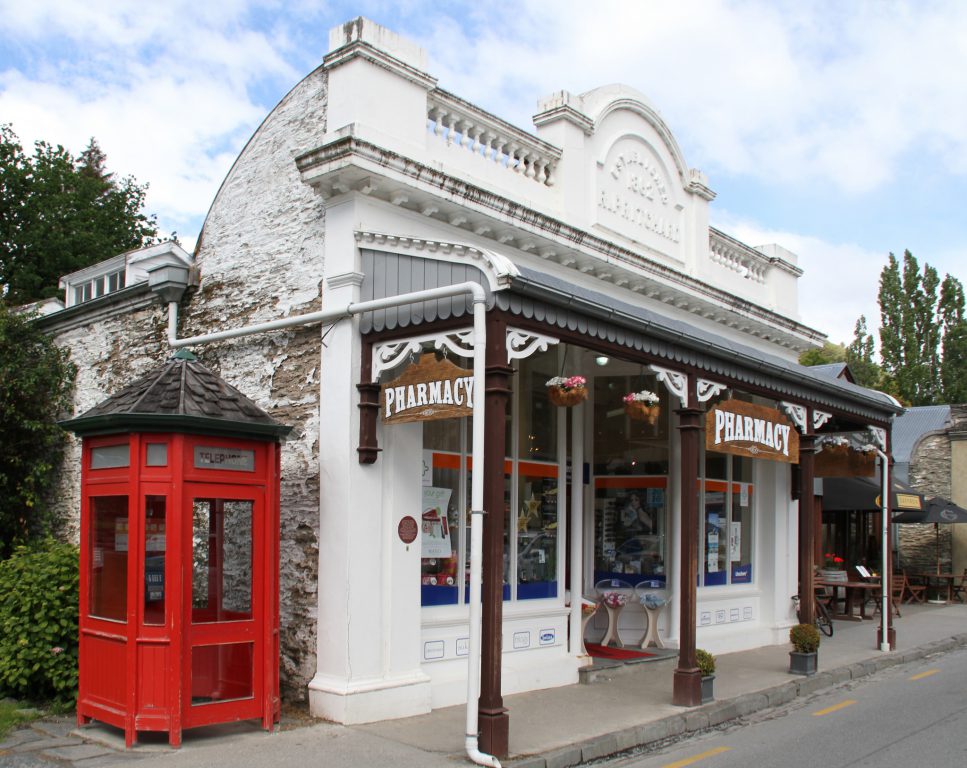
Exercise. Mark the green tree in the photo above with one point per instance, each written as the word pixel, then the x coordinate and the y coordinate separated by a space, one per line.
pixel 58 215
pixel 829 353
pixel 36 380
pixel 860 354
pixel 953 365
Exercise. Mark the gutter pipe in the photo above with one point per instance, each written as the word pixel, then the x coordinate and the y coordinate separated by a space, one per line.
pixel 479 298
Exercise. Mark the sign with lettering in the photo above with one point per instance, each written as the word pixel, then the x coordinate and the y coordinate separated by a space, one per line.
pixel 235 459
pixel 431 389
pixel 745 429
pixel 636 197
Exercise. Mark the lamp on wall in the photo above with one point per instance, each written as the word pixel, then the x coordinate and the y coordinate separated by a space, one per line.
pixel 602 360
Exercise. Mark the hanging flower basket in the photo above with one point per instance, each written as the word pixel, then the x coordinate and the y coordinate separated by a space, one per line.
pixel 565 392
pixel 642 406
pixel 836 446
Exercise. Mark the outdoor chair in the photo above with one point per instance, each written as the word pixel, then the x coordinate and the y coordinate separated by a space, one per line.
pixel 914 593
pixel 959 591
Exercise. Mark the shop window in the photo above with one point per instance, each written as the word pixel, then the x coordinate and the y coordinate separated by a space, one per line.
pixel 221 560
pixel 727 502
pixel 630 525
pixel 531 537
pixel 108 547
pixel 631 460
pixel 155 512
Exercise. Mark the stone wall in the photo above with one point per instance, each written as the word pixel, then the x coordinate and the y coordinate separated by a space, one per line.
pixel 929 474
pixel 260 255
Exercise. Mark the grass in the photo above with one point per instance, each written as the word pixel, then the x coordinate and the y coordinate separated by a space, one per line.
pixel 14 713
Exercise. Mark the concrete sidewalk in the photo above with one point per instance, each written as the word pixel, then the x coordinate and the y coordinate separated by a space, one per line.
pixel 625 707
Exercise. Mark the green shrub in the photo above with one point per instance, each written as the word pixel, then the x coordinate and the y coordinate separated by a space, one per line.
pixel 38 622
pixel 804 638
pixel 706 662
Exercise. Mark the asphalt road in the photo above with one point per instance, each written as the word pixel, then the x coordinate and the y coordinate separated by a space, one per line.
pixel 914 715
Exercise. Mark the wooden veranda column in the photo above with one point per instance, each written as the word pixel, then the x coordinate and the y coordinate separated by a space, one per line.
pixel 687 682
pixel 807 527
pixel 493 719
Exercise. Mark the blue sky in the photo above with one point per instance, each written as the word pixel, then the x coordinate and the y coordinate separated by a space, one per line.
pixel 837 129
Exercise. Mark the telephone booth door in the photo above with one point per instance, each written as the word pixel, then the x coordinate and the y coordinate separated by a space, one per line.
pixel 225 644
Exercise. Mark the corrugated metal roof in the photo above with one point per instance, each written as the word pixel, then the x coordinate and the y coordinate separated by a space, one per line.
pixel 913 424
pixel 830 370
pixel 565 304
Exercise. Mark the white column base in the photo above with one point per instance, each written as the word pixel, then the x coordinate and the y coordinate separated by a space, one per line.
pixel 369 702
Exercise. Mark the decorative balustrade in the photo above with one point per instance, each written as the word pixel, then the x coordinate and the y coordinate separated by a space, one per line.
pixel 462 125
pixel 733 255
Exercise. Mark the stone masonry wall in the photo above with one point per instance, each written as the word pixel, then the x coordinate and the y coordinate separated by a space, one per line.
pixel 260 256
pixel 929 474
pixel 110 352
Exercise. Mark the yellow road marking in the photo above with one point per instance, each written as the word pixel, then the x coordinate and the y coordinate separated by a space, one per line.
pixel 692 760
pixel 835 707
pixel 925 674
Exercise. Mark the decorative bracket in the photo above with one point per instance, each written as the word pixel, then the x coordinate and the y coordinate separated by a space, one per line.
pixel 879 437
pixel 797 413
pixel 820 418
pixel 523 344
pixel 388 355
pixel 706 390
pixel 675 381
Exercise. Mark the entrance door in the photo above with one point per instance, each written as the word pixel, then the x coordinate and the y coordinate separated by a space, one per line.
pixel 225 592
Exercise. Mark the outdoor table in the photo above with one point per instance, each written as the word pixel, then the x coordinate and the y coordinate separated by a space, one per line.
pixel 943 580
pixel 852 589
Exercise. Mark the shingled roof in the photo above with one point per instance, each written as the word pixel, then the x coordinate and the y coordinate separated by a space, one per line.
pixel 181 396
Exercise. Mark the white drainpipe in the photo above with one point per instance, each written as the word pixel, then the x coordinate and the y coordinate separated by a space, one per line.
pixel 477 479
pixel 886 574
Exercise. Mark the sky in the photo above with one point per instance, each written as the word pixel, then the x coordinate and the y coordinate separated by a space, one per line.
pixel 836 129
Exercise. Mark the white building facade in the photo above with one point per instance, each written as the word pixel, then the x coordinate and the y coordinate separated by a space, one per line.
pixel 591 238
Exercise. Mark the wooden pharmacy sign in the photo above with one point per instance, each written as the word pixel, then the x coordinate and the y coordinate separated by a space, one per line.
pixel 745 429
pixel 431 389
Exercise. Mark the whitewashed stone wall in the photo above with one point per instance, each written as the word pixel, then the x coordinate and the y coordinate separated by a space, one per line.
pixel 261 255
pixel 110 351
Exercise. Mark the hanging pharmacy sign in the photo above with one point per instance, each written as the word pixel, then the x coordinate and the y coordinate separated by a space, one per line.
pixel 431 389
pixel 744 429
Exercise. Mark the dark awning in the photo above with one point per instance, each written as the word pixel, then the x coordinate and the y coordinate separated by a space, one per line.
pixel 937 510
pixel 863 494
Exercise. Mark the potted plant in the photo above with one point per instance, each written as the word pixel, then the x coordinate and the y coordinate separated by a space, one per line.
pixel 706 666
pixel 805 644
pixel 833 567
pixel 567 391
pixel 642 406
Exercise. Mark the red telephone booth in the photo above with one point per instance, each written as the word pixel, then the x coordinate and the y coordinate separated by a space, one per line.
pixel 179 581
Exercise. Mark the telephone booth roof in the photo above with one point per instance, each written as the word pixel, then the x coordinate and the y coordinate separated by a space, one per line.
pixel 180 396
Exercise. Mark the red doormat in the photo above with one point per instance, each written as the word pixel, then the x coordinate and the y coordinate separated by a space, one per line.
pixel 618 654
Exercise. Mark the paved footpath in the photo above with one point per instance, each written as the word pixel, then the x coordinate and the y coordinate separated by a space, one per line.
pixel 626 706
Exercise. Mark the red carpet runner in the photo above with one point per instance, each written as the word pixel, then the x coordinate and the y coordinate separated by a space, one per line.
pixel 618 654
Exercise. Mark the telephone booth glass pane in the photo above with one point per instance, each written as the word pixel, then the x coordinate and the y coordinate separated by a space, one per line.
pixel 155 510
pixel 222 672
pixel 109 557
pixel 221 560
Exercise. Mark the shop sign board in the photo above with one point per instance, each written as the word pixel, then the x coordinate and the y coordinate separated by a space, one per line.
pixel 745 429
pixel 431 389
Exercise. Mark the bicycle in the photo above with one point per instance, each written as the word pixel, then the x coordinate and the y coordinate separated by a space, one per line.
pixel 824 621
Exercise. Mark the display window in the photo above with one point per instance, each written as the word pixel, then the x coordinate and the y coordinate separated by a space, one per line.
pixel 727 521
pixel 531 490
pixel 630 529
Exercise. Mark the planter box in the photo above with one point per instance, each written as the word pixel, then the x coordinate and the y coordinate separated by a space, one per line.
pixel 803 663
pixel 707 682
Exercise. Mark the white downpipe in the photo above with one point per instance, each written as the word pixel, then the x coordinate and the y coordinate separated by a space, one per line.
pixel 886 575
pixel 477 479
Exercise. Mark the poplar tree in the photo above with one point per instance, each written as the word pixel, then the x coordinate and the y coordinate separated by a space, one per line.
pixel 859 357
pixel 953 366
